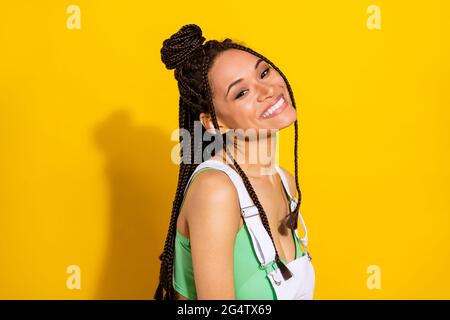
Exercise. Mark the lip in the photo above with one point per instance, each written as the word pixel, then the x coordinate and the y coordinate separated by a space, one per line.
pixel 276 112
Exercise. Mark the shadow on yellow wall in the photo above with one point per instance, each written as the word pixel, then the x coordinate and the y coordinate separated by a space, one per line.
pixel 141 181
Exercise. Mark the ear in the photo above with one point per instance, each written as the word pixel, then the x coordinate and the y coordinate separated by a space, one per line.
pixel 206 120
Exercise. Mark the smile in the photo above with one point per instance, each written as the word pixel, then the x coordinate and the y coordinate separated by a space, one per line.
pixel 277 108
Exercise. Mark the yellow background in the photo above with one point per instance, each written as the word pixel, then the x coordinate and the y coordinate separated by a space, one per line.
pixel 86 117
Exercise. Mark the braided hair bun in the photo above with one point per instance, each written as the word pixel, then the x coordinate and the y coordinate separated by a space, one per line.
pixel 181 45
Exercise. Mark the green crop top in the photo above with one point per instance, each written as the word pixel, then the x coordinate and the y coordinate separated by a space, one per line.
pixel 250 280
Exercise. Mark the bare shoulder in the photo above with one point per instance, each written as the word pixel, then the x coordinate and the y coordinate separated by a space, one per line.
pixel 212 201
pixel 291 182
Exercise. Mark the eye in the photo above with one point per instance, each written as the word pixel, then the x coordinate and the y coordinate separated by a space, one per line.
pixel 263 75
pixel 268 70
pixel 239 94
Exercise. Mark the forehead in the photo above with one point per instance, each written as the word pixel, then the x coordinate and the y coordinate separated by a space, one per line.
pixel 229 66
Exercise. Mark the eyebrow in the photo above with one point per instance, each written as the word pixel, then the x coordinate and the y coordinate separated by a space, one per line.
pixel 239 80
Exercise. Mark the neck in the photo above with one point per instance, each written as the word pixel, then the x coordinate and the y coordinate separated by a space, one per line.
pixel 255 155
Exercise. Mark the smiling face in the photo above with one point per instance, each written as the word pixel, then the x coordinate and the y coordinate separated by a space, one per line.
pixel 248 93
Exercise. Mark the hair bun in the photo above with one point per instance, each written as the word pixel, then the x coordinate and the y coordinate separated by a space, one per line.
pixel 180 45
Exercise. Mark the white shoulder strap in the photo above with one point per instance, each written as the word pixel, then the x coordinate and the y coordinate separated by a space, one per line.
pixel 260 238
pixel 294 201
pixel 284 181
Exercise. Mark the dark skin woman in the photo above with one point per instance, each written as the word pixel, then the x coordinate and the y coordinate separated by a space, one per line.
pixel 227 86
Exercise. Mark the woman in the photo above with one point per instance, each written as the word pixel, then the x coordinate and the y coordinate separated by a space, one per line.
pixel 234 223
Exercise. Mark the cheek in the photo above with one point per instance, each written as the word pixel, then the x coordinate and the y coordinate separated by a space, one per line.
pixel 244 114
pixel 235 115
pixel 241 116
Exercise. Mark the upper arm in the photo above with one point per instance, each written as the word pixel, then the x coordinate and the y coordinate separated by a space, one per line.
pixel 213 219
pixel 291 182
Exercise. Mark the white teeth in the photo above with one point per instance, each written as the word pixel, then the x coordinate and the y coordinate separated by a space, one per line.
pixel 273 108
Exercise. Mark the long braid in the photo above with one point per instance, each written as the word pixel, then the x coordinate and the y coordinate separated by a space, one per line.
pixel 185 171
pixel 167 256
pixel 163 257
pixel 185 53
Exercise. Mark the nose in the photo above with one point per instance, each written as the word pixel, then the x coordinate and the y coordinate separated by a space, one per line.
pixel 265 91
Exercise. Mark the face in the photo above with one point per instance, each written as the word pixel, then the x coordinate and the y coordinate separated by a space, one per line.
pixel 248 93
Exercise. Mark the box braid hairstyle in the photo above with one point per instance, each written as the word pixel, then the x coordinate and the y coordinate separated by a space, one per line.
pixel 185 52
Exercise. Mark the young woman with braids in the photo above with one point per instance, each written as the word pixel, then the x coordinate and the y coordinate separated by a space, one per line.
pixel 228 236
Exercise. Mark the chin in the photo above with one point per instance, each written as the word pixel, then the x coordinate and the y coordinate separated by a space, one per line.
pixel 284 120
pixel 286 125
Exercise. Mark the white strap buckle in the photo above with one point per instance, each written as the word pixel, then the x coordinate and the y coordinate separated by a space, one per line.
pixel 249 211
